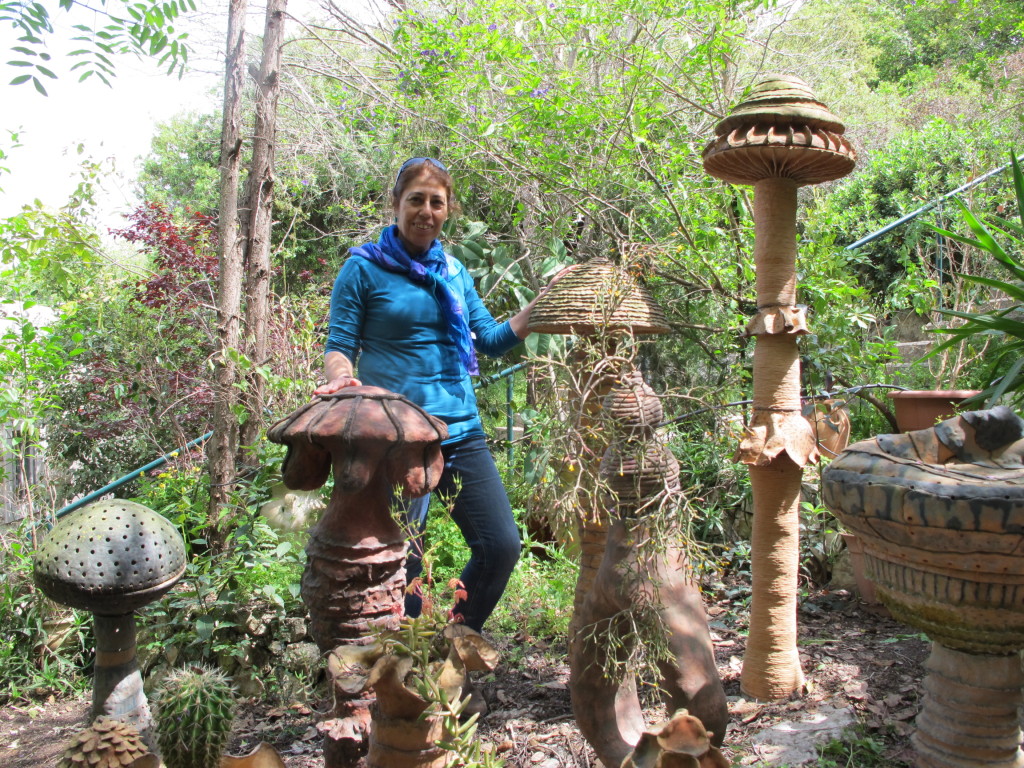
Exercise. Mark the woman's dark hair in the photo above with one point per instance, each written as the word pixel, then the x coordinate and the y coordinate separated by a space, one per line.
pixel 416 167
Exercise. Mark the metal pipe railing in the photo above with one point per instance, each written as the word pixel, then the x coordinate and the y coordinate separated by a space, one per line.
pixel 928 206
pixel 129 477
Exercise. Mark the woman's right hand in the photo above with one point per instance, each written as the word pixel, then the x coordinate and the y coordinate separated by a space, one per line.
pixel 337 384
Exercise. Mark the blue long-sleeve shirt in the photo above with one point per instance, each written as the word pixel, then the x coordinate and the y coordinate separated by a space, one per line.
pixel 394 331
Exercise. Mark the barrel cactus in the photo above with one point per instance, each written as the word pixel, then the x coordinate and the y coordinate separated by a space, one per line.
pixel 107 743
pixel 193 721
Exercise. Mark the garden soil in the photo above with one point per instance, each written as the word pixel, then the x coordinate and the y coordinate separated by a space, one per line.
pixel 858 661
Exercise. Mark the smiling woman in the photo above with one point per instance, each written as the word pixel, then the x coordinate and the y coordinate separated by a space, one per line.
pixel 409 314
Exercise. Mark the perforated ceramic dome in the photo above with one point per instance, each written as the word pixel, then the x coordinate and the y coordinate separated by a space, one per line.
pixel 111 557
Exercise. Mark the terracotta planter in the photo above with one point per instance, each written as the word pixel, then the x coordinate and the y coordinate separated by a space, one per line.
pixel 922 408
pixel 940 513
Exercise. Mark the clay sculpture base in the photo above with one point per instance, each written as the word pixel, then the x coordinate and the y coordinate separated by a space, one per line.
pixel 969 717
pixel 606 707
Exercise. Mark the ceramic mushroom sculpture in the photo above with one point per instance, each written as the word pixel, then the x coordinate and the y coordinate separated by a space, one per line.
pixel 604 302
pixel 375 441
pixel 599 301
pixel 639 470
pixel 112 558
pixel 940 513
pixel 778 139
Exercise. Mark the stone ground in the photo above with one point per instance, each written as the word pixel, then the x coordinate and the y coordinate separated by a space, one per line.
pixel 862 667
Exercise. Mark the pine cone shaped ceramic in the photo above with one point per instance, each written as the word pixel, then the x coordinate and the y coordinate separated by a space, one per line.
pixel 107 743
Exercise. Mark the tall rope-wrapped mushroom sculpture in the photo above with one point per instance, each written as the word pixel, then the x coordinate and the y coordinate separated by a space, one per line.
pixel 778 139
pixel 375 441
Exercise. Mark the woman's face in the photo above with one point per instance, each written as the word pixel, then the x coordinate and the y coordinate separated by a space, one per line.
pixel 421 210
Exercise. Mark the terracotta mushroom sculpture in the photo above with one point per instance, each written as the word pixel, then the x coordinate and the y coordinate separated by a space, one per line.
pixel 375 441
pixel 639 469
pixel 940 513
pixel 112 558
pixel 620 412
pixel 780 138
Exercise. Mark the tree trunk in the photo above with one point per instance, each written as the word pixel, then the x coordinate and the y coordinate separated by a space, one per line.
pixel 257 219
pixel 223 444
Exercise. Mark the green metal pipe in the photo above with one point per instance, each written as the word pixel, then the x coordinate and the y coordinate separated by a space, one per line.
pixel 129 477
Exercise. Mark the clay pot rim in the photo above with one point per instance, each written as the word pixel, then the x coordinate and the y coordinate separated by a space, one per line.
pixel 936 393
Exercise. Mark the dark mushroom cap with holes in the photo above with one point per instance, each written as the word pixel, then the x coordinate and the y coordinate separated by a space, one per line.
pixel 110 557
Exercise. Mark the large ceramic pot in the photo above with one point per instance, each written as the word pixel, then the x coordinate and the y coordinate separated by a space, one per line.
pixel 940 512
pixel 922 408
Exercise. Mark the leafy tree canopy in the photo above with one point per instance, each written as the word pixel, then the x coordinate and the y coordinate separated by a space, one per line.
pixel 143 27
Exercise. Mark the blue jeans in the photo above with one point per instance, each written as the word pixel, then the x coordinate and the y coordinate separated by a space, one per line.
pixel 484 515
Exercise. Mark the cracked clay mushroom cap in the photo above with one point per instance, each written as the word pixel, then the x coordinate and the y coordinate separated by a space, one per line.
pixel 355 429
pixel 779 131
pixel 110 557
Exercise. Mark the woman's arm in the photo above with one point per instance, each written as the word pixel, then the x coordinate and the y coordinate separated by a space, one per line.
pixel 338 370
pixel 520 321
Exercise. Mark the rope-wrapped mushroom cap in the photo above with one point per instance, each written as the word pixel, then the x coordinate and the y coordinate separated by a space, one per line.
pixel 779 131
pixel 110 558
pixel 597 297
pixel 632 408
pixel 637 471
pixel 360 427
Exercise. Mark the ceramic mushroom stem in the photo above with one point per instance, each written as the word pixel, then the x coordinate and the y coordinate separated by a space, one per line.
pixel 375 441
pixel 112 558
pixel 779 139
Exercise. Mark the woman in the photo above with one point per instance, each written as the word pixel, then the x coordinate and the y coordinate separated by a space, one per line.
pixel 412 316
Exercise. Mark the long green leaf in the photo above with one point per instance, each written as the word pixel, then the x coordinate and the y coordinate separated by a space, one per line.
pixel 987 242
pixel 1010 382
pixel 1018 185
pixel 1010 289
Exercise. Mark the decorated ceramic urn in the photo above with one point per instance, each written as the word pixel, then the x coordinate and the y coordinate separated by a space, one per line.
pixel 940 513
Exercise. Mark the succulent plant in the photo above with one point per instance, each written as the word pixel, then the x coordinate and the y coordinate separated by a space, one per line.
pixel 107 743
pixel 196 707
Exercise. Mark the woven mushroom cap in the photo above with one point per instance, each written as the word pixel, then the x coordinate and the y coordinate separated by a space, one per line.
pixel 110 557
pixel 780 131
pixel 594 298
pixel 632 407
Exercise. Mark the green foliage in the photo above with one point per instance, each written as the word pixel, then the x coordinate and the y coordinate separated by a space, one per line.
pixel 196 707
pixel 126 26
pixel 854 750
pixel 201 617
pixel 913 36
pixel 538 601
pixel 1003 326
pixel 181 170
pixel 45 649
pixel 904 267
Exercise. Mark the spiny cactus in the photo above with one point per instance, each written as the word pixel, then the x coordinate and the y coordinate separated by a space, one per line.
pixel 107 743
pixel 196 706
